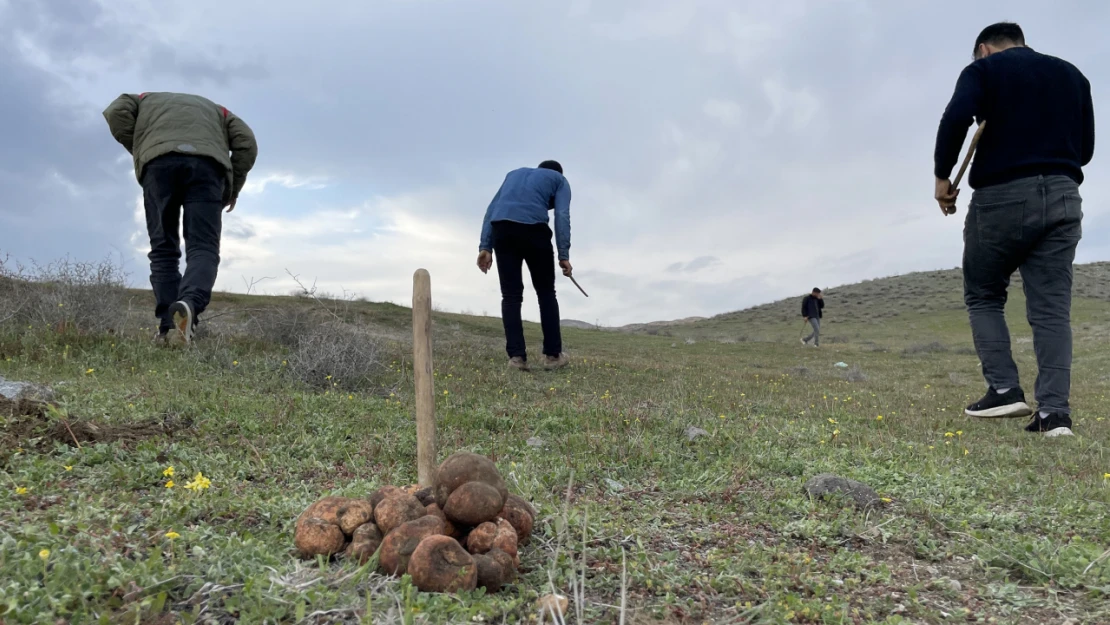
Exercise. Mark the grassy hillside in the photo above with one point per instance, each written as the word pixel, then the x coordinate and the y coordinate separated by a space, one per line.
pixel 857 311
pixel 978 521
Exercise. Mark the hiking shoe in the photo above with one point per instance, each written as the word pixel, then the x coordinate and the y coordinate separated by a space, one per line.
pixel 183 322
pixel 161 337
pixel 1008 405
pixel 804 342
pixel 556 362
pixel 518 363
pixel 1051 426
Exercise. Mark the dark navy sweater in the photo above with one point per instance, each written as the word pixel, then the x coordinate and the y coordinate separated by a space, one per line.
pixel 1040 114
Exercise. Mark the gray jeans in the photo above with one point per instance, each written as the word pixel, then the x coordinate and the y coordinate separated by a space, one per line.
pixel 183 193
pixel 1032 225
pixel 814 336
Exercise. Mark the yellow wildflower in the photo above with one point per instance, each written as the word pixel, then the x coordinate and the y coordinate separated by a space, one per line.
pixel 169 484
pixel 879 418
pixel 886 499
pixel 21 490
pixel 44 554
pixel 89 371
pixel 832 421
pixel 172 535
pixel 198 483
pixel 68 467
pixel 948 435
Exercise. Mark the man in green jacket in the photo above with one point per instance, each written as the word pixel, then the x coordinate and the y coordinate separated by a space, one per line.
pixel 191 157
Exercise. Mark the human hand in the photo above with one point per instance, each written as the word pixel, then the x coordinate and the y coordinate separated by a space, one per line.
pixel 567 268
pixel 485 260
pixel 946 196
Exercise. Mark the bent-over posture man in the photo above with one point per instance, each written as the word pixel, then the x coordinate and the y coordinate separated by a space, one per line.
pixel 515 230
pixel 191 157
pixel 813 306
pixel 1025 213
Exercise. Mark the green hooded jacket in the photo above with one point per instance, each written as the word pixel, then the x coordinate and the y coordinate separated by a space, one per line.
pixel 150 125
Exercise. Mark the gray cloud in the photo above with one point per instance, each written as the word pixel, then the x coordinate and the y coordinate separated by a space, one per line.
pixel 790 141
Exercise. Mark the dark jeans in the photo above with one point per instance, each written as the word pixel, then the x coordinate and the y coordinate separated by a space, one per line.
pixel 514 244
pixel 1032 225
pixel 182 191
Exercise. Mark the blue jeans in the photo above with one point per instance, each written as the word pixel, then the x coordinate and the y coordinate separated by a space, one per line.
pixel 183 192
pixel 1031 225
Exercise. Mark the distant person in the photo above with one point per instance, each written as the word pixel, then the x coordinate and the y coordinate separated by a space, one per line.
pixel 813 306
pixel 515 230
pixel 1025 213
pixel 191 157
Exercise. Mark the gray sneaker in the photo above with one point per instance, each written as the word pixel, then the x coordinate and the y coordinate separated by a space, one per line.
pixel 518 363
pixel 183 322
pixel 556 362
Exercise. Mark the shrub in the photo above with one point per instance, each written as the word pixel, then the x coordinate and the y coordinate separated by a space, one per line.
pixel 334 354
pixel 67 295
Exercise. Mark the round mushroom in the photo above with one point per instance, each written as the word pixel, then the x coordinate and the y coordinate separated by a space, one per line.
pixel 521 515
pixel 364 543
pixel 399 545
pixel 463 467
pixel 440 564
pixel 473 503
pixel 481 538
pixel 316 537
pixel 396 510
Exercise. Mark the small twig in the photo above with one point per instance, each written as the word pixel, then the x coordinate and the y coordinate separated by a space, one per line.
pixel 624 583
pixel 70 430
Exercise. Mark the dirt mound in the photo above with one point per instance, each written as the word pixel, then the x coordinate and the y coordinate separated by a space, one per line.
pixel 37 424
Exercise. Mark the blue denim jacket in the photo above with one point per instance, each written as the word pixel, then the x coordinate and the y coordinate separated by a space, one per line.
pixel 525 197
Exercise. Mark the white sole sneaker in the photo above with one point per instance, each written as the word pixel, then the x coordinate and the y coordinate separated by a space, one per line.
pixel 1059 432
pixel 1009 411
pixel 183 321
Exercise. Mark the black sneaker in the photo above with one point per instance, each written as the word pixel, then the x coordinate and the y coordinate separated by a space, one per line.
pixel 183 321
pixel 1051 426
pixel 1008 405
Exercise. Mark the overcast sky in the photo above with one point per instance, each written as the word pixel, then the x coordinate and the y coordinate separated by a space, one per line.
pixel 722 153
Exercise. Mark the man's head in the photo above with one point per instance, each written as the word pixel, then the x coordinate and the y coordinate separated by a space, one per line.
pixel 553 165
pixel 998 37
pixel 817 292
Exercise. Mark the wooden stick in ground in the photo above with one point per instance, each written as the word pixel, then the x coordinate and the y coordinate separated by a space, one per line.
pixel 422 377
pixel 967 158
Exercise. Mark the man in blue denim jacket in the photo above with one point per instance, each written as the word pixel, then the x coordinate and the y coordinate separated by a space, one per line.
pixel 515 229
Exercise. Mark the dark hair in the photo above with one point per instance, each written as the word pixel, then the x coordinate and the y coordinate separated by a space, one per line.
pixel 816 290
pixel 1002 32
pixel 552 165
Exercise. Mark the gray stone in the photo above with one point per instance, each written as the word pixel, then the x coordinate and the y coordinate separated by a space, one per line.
pixel 536 441
pixel 826 484
pixel 613 484
pixel 693 433
pixel 955 586
pixel 13 390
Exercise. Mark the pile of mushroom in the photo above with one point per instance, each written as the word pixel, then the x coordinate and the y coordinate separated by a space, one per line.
pixel 460 534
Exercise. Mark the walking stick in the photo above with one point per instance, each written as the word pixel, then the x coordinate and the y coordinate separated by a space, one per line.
pixel 967 160
pixel 577 285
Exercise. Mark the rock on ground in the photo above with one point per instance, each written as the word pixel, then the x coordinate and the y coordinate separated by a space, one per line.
pixel 693 433
pixel 826 484
pixel 13 390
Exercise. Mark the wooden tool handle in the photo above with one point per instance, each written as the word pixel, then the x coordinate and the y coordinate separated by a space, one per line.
pixel 970 152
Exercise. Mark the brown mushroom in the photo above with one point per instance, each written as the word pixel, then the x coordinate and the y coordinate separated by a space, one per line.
pixel 395 510
pixel 521 516
pixel 481 538
pixel 425 496
pixel 316 537
pixel 506 540
pixel 473 503
pixel 440 564
pixel 364 543
pixel 383 493
pixel 398 546
pixel 449 528
pixel 508 564
pixel 491 572
pixel 353 514
pixel 463 467
pixel 326 509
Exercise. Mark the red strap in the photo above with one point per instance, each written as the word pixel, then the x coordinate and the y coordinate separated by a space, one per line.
pixel 225 111
pixel 142 95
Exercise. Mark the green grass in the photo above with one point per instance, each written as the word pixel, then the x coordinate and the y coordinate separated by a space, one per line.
pixel 713 530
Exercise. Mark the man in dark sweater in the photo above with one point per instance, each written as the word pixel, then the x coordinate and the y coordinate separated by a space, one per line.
pixel 813 306
pixel 1025 213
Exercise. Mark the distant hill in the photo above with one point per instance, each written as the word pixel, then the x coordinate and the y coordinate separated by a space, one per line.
pixel 873 301
pixel 580 325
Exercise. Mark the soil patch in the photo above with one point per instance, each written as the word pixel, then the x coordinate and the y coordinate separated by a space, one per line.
pixel 30 423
